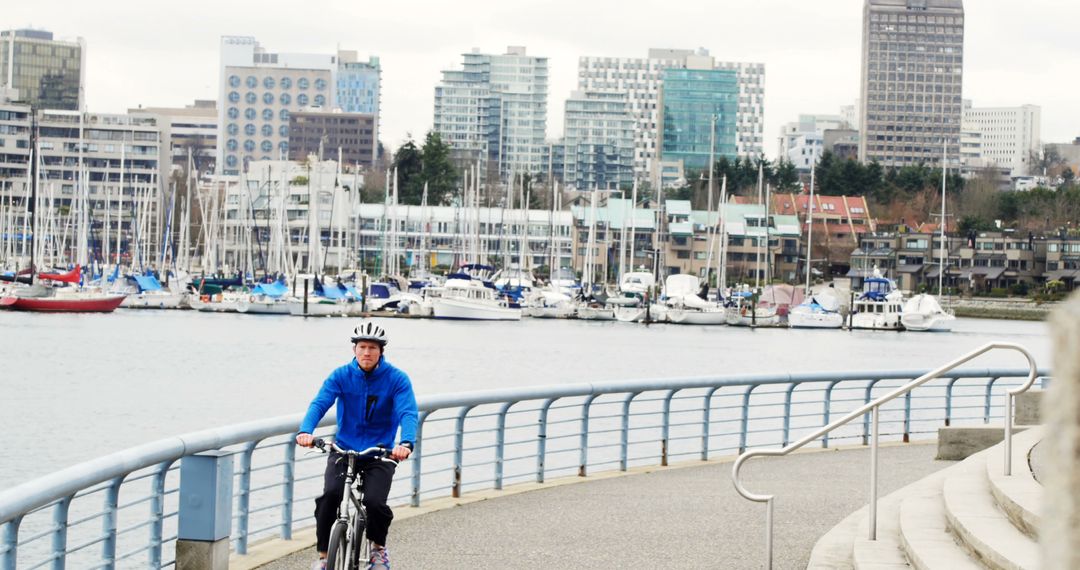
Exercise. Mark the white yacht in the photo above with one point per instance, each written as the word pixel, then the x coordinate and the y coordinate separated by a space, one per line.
pixel 740 311
pixel 471 299
pixel 151 295
pixel 924 313
pixel 266 299
pixel 544 304
pixel 879 307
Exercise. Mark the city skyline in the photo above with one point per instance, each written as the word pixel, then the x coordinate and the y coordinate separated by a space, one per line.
pixel 811 52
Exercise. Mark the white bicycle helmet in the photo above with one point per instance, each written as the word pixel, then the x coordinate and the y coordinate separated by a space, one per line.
pixel 371 332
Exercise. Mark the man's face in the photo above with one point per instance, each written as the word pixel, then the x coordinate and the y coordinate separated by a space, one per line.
pixel 367 354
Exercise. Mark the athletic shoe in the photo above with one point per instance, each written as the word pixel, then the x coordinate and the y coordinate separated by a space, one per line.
pixel 319 564
pixel 380 559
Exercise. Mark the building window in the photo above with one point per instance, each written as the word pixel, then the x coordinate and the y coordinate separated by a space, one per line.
pixel 251 97
pixel 286 83
pixel 249 129
pixel 232 145
pixel 234 81
pixel 230 161
pixel 302 83
pixel 267 130
pixel 302 100
pixel 283 114
pixel 268 114
pixel 284 146
pixel 268 98
pixel 267 146
pixel 232 129
pixel 284 130
pixel 234 97
pixel 249 145
pixel 320 100
pixel 286 99
pixel 268 82
pixel 320 84
pixel 250 114
pixel 251 81
pixel 234 113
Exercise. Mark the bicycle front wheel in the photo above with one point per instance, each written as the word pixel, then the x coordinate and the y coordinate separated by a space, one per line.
pixel 340 549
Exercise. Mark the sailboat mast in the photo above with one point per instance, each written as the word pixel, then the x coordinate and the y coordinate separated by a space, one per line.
pixel 810 230
pixel 941 251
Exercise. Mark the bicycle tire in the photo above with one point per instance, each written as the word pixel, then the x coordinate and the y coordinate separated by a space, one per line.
pixel 361 547
pixel 337 553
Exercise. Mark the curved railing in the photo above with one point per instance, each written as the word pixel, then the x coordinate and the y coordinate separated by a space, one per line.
pixel 122 509
pixel 873 409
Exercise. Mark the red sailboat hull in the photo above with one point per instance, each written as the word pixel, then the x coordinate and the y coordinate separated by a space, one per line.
pixel 96 304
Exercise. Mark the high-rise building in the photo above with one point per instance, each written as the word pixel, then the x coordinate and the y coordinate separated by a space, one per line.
pixel 698 116
pixel 1008 136
pixel 359 90
pixel 641 80
pixel 912 75
pixel 257 92
pixel 494 110
pixel 47 73
pixel 598 141
pixel 353 134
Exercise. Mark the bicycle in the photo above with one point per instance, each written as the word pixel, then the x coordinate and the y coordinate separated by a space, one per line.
pixel 347 546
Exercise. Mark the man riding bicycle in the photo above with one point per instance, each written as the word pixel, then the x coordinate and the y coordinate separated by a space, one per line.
pixel 374 399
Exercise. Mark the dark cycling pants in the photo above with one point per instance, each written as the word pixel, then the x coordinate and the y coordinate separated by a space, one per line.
pixel 377 476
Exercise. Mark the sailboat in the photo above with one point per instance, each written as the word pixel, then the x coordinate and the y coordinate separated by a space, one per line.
pixel 742 308
pixel 817 311
pixel 923 312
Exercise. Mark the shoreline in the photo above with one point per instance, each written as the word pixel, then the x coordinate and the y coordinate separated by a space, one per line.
pixel 1009 309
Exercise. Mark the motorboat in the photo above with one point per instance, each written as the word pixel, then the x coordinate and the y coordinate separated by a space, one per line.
pixel 879 307
pixel 923 313
pixel 565 281
pixel 467 295
pixel 266 299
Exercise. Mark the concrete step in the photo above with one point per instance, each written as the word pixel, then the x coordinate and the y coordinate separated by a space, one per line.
pixel 983 528
pixel 1019 494
pixel 924 530
pixel 886 552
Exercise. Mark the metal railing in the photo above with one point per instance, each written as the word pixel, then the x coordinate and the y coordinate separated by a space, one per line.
pixel 874 409
pixel 122 509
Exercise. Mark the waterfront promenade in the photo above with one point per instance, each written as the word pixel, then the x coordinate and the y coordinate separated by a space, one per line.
pixel 686 516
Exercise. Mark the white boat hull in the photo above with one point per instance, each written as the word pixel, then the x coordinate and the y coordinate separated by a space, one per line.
pixel 556 312
pixel 224 306
pixel 263 307
pixel 317 309
pixel 933 322
pixel 877 321
pixel 153 301
pixel 822 320
pixel 737 317
pixel 696 317
pixel 596 313
pixel 467 309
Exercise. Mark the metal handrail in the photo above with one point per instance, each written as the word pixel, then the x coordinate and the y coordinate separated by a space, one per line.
pixel 607 414
pixel 874 409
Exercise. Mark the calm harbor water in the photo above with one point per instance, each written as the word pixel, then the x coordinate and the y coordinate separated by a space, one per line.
pixel 75 387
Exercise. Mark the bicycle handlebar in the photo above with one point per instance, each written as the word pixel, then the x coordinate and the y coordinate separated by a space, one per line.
pixel 375 452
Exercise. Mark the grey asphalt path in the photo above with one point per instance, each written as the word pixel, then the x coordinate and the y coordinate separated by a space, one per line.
pixel 688 517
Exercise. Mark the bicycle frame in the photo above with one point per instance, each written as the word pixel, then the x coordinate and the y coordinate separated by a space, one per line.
pixel 354 495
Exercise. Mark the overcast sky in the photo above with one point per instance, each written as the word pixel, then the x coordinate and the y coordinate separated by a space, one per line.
pixel 166 54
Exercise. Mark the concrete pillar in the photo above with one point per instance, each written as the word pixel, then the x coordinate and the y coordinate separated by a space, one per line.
pixel 205 518
pixel 1060 535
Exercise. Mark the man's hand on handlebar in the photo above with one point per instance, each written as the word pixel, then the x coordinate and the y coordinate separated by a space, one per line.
pixel 305 440
pixel 400 453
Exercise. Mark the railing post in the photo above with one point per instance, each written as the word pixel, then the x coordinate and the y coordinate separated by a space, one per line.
pixel 417 458
pixel 500 444
pixel 9 548
pixel 59 537
pixel 541 440
pixel 706 420
pixel 157 510
pixel 948 400
pixel 787 415
pixel 665 435
pixel 109 523
pixel 866 417
pixel 205 517
pixel 827 412
pixel 583 454
pixel 624 445
pixel 288 489
pixel 744 422
pixel 459 450
pixel 986 402
pixel 243 501
pixel 1008 432
pixel 907 417
pixel 875 413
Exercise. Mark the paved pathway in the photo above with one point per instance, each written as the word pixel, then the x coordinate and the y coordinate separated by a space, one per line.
pixel 687 517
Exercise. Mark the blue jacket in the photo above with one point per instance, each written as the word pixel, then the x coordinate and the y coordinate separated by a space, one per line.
pixel 370 406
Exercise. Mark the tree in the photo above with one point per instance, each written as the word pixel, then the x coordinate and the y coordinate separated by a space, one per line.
pixel 408 165
pixel 1067 175
pixel 438 170
pixel 787 178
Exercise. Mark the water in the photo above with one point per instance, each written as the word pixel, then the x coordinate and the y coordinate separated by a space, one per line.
pixel 75 387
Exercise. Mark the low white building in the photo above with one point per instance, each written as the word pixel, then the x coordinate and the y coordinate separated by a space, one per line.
pixel 802 142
